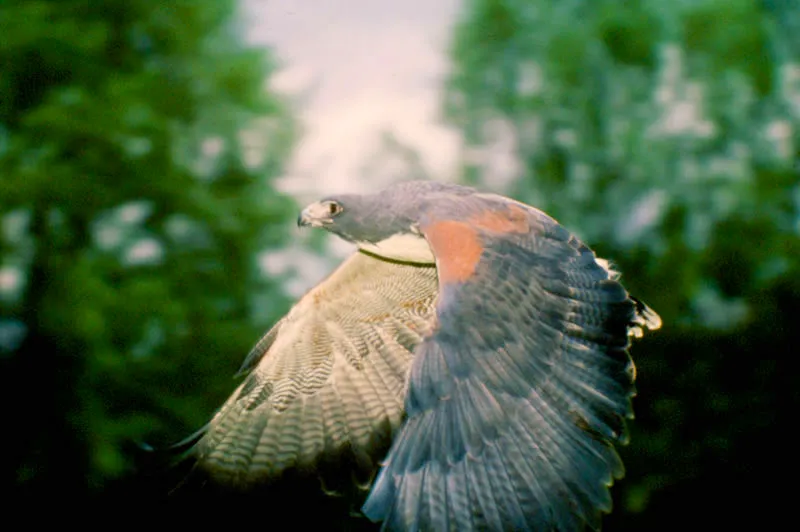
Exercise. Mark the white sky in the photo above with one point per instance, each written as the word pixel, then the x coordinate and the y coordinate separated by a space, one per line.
pixel 359 67
pixel 366 66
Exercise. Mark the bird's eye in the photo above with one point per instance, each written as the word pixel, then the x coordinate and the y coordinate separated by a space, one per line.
pixel 334 208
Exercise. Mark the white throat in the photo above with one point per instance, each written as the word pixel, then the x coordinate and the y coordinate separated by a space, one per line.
pixel 404 247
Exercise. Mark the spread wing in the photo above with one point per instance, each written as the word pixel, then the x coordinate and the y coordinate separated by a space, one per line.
pixel 329 379
pixel 518 394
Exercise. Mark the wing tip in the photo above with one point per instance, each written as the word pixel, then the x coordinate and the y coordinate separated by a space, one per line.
pixel 378 505
pixel 645 318
pixel 609 267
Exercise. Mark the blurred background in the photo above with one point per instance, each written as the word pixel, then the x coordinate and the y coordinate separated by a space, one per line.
pixel 153 155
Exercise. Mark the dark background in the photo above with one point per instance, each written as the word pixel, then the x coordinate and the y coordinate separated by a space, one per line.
pixel 664 133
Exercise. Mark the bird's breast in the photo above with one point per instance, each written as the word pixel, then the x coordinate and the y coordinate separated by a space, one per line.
pixel 406 247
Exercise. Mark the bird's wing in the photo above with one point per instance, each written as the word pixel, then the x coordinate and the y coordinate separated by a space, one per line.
pixel 329 379
pixel 517 395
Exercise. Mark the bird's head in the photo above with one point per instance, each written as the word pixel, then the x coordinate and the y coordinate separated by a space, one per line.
pixel 385 223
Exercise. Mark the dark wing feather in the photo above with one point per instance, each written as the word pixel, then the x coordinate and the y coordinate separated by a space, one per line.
pixel 517 396
pixel 330 378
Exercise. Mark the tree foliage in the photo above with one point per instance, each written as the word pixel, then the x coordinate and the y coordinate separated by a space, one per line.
pixel 137 147
pixel 666 134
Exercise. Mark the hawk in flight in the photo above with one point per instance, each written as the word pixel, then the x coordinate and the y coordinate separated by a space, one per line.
pixel 469 362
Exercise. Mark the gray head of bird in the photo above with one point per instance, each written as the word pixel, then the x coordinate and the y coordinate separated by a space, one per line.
pixel 385 223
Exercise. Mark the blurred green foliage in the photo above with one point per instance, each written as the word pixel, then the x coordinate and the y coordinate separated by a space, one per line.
pixel 137 147
pixel 666 134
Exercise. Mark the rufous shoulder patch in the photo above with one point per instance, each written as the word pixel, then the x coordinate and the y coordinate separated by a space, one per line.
pixel 457 245
pixel 513 219
pixel 457 248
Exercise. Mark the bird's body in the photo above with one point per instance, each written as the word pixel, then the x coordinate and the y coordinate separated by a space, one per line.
pixel 471 332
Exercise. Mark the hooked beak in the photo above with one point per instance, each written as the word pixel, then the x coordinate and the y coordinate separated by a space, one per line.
pixel 315 215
